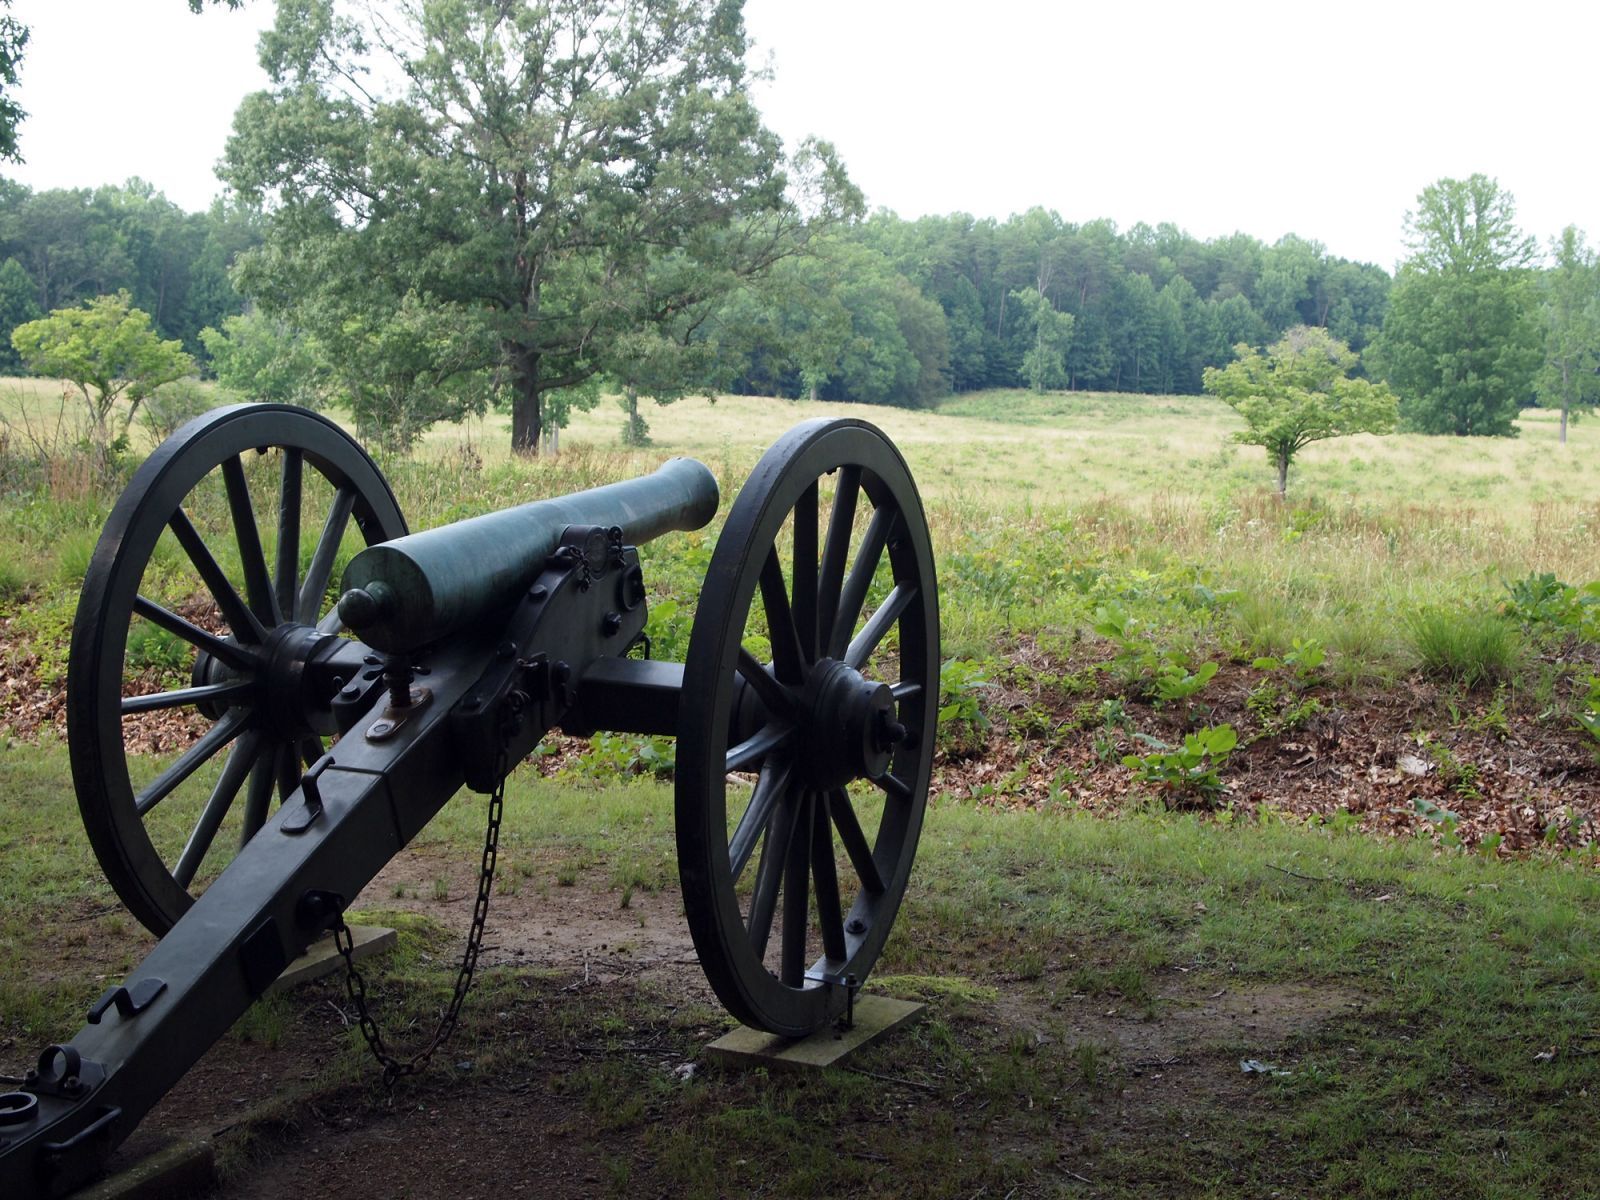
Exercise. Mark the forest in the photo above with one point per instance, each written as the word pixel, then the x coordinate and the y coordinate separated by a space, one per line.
pixel 915 309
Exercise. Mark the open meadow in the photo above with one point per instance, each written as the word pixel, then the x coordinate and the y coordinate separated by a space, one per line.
pixel 1348 947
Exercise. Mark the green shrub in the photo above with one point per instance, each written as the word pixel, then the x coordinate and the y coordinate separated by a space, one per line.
pixel 152 646
pixel 13 579
pixel 962 721
pixel 1470 649
pixel 173 405
pixel 1189 771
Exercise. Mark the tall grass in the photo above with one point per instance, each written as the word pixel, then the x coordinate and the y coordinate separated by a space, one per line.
pixel 1030 500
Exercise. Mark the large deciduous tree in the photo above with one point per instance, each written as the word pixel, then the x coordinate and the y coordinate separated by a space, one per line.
pixel 1299 392
pixel 13 42
pixel 1571 290
pixel 1044 363
pixel 548 177
pixel 1460 344
pixel 108 350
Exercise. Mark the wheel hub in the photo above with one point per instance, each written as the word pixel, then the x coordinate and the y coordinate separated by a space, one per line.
pixel 848 730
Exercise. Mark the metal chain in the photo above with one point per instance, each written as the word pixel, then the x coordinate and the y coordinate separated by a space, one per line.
pixel 356 986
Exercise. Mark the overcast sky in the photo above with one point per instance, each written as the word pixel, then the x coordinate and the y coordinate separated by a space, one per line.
pixel 1269 118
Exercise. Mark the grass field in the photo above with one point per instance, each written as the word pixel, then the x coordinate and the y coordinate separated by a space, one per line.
pixel 1420 1019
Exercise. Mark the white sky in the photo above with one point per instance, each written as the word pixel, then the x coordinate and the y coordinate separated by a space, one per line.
pixel 1220 115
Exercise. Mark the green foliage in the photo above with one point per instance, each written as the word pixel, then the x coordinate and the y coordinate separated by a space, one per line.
pixel 962 721
pixel 1589 715
pixel 1277 711
pixel 150 646
pixel 1045 363
pixel 1459 343
pixel 1160 671
pixel 1298 393
pixel 259 357
pixel 1468 648
pixel 625 183
pixel 613 756
pixel 1304 658
pixel 1186 772
pixel 13 578
pixel 18 306
pixel 1541 601
pixel 13 41
pixel 1570 314
pixel 173 404
pixel 108 350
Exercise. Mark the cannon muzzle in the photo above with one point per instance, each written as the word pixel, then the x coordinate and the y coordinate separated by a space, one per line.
pixel 412 591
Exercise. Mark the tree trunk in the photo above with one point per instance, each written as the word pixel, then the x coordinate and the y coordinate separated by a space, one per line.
pixel 525 423
pixel 1565 404
pixel 1283 475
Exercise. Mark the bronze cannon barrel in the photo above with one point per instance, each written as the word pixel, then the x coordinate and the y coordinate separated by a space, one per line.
pixel 404 594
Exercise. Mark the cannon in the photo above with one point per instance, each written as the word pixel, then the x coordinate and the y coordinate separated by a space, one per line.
pixel 319 736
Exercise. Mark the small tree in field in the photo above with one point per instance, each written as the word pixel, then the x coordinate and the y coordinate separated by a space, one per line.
pixel 108 350
pixel 1300 392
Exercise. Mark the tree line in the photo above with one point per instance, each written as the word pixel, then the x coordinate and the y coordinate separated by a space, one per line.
pixel 526 205
pixel 61 248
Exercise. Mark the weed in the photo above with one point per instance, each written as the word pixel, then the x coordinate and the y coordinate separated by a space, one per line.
pixel 13 579
pixel 1589 717
pixel 1542 600
pixel 962 721
pixel 1304 657
pixel 1469 649
pixel 1160 672
pixel 150 646
pixel 619 755
pixel 1491 718
pixel 1278 712
pixel 1460 776
pixel 1189 771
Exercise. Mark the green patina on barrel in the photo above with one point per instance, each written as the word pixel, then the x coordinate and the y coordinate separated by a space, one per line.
pixel 414 590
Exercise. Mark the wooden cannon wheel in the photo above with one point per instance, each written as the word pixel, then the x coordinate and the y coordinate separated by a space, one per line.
pixel 831 680
pixel 189 525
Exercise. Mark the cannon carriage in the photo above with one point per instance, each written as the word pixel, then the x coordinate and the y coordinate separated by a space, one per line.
pixel 324 736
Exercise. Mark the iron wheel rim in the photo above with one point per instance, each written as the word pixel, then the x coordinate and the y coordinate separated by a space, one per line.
pixel 215 442
pixel 825 836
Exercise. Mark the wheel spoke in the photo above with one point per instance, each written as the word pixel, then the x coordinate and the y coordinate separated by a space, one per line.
pixel 227 652
pixel 753 749
pixel 240 763
pixel 787 656
pixel 287 563
pixel 860 579
pixel 769 875
pixel 805 571
pixel 769 789
pixel 322 558
pixel 855 842
pixel 311 749
pixel 183 696
pixel 219 735
pixel 890 611
pixel 257 584
pixel 779 701
pixel 258 796
pixel 825 875
pixel 841 524
pixel 234 611
pixel 796 902
pixel 906 690
pixel 894 786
